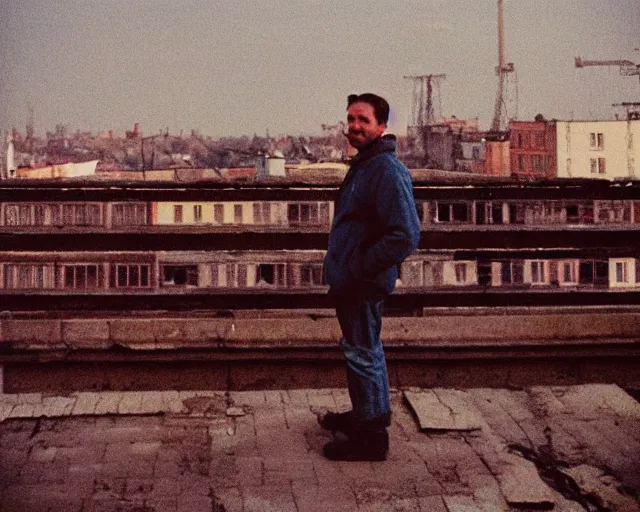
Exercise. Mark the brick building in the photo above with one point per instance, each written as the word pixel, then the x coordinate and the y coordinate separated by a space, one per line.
pixel 533 149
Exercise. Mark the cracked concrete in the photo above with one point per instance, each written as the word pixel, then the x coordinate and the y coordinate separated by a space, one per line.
pixel 261 450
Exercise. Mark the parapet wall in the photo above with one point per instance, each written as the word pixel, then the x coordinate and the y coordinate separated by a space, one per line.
pixel 438 327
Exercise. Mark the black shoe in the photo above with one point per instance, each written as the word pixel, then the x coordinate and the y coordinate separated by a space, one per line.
pixel 368 446
pixel 345 422
pixel 337 422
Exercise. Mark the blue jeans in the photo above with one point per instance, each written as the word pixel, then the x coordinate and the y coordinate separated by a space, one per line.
pixel 361 320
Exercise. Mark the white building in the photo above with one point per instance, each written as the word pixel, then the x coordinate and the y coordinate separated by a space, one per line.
pixel 598 149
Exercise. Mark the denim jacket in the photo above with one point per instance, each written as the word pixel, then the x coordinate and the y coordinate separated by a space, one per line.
pixel 375 225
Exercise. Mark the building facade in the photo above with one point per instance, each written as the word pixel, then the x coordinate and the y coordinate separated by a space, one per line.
pixel 533 147
pixel 598 149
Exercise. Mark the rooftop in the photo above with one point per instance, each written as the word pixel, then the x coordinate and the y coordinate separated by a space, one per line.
pixel 567 448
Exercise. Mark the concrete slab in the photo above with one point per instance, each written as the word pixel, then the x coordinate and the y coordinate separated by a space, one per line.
pixel 602 488
pixel 270 457
pixel 443 410
pixel 522 486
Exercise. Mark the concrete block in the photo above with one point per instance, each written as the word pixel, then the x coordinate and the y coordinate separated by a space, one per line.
pixel 284 332
pixel 85 404
pixel 132 331
pixel 28 334
pixel 108 403
pixel 56 406
pixel 130 403
pixel 23 410
pixel 5 411
pixel 86 333
pixel 521 325
pixel 193 332
pixel 152 402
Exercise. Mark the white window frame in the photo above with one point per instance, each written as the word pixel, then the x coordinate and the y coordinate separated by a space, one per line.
pixel 622 272
pixel 596 141
pixel 460 270
pixel 197 213
pixel 574 270
pixel 538 272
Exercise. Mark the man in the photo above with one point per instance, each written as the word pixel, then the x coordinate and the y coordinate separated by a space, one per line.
pixel 375 228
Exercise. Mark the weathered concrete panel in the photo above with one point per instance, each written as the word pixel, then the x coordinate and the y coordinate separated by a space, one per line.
pixel 32 333
pixel 192 332
pixel 284 332
pixel 133 333
pixel 86 333
pixel 510 327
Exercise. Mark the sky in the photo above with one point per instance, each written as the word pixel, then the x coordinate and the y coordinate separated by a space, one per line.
pixel 244 67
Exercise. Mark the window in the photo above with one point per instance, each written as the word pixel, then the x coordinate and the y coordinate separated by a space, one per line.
pixel 568 272
pixel 433 273
pixel 461 272
pixel 537 272
pixel 324 214
pixel 130 276
pixel 516 213
pixel 598 165
pixel 596 141
pixel 311 275
pixel 293 213
pixel 521 162
pixel 32 215
pixel 262 213
pixel 242 275
pixel 512 272
pixel 47 215
pixel 269 273
pixel 197 213
pixel 307 213
pixel 82 276
pixel 25 276
pixel 231 275
pixel 622 272
pixel 453 212
pixel 11 215
pixel 237 214
pixel 538 162
pixel 177 214
pixel 81 215
pixel 573 215
pixel 594 272
pixel 218 213
pixel 129 215
pixel 539 140
pixel 38 215
pixel 25 215
pixel 180 275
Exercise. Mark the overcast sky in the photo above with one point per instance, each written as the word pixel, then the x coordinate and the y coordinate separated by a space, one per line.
pixel 232 67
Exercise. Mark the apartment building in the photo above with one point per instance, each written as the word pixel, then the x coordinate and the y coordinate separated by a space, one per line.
pixel 598 149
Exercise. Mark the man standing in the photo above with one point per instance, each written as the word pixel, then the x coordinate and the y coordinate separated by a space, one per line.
pixel 375 228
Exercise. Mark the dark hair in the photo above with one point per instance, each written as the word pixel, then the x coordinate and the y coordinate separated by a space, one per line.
pixel 379 104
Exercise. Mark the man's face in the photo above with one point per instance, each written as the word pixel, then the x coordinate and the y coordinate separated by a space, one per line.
pixel 363 128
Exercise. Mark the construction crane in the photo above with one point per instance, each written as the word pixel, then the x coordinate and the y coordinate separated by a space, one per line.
pixel 502 70
pixel 627 68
